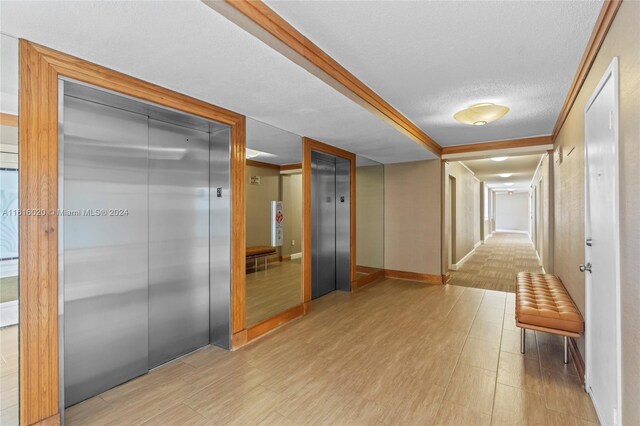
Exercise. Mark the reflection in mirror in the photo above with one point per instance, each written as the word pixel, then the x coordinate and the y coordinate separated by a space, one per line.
pixel 274 221
pixel 369 216
pixel 9 230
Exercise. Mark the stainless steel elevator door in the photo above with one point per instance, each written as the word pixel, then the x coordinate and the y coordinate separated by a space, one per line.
pixel 105 248
pixel 178 241
pixel 343 224
pixel 323 191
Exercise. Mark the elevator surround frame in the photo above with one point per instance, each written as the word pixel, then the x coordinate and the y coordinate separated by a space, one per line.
pixel 310 145
pixel 41 69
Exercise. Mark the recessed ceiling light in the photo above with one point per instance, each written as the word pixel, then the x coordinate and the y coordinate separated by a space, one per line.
pixel 499 158
pixel 505 175
pixel 508 184
pixel 481 114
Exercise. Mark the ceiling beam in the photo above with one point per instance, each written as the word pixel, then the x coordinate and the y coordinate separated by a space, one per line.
pixel 494 145
pixel 258 19
pixel 603 23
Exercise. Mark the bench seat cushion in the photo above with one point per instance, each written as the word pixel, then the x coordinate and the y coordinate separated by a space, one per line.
pixel 260 250
pixel 542 300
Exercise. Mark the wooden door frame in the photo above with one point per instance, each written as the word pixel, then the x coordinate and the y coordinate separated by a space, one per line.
pixel 310 145
pixel 40 69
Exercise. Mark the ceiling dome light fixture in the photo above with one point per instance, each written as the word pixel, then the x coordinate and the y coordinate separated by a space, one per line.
pixel 498 158
pixel 481 114
pixel 505 175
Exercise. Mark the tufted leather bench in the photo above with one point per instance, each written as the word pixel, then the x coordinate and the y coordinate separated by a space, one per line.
pixel 254 252
pixel 543 304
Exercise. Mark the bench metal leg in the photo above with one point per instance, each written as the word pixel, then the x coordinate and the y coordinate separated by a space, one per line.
pixel 566 350
pixel 255 264
pixel 265 263
pixel 522 334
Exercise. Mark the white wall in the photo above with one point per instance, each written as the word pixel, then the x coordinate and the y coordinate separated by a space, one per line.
pixel 512 211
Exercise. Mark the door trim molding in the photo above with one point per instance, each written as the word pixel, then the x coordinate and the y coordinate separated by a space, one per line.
pixel 612 72
pixel 314 145
pixel 40 69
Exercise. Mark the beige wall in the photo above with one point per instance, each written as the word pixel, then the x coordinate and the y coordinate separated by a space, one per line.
pixel 412 216
pixel 292 199
pixel 542 182
pixel 370 216
pixel 622 41
pixel 259 199
pixel 512 211
pixel 467 212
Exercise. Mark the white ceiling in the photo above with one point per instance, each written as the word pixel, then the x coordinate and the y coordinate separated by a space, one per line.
pixel 430 59
pixel 521 167
pixel 188 47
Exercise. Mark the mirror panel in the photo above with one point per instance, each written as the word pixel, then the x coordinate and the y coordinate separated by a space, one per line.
pixel 369 216
pixel 274 221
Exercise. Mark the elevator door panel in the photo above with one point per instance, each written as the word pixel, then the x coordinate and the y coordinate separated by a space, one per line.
pixel 343 224
pixel 324 226
pixel 178 241
pixel 105 247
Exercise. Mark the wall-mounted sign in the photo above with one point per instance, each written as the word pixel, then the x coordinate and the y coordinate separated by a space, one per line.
pixel 277 224
pixel 255 180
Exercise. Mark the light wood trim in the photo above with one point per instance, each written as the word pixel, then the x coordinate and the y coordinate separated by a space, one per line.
pixel 8 119
pixel 50 421
pixel 367 269
pixel 278 33
pixel 310 145
pixel 40 68
pixel 413 276
pixel 239 339
pixel 294 166
pixel 577 359
pixel 274 322
pixel 493 145
pixel 255 163
pixel 600 30
pixel 372 277
pixel 238 227
pixel 306 223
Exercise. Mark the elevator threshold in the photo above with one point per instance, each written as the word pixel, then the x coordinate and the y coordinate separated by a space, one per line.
pixel 174 360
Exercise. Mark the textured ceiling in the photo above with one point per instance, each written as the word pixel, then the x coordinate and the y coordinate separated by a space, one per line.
pixel 188 47
pixel 430 59
pixel 522 169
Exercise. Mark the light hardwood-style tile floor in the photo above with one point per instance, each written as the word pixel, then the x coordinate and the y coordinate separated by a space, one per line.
pixel 396 352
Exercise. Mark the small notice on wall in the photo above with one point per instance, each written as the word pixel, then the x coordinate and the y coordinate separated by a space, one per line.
pixel 277 224
pixel 255 180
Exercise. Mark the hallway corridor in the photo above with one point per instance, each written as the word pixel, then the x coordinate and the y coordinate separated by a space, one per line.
pixel 494 265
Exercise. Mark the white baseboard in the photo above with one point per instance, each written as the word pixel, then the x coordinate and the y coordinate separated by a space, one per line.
pixel 458 265
pixel 8 313
pixel 296 255
pixel 513 231
pixel 478 244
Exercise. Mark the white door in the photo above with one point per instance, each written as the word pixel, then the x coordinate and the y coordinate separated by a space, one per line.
pixel 602 251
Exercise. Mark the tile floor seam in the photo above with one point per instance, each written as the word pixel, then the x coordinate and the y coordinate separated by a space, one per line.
pixel 466 337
